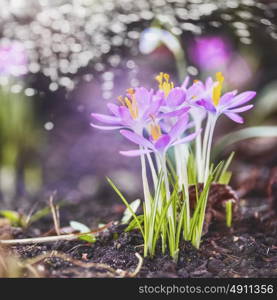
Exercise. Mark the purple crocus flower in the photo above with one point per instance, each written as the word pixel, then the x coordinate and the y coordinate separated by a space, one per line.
pixel 158 142
pixel 174 103
pixel 197 91
pixel 137 109
pixel 173 96
pixel 229 104
pixel 13 59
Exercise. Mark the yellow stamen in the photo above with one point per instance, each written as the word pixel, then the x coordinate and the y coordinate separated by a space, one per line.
pixel 218 88
pixel 159 78
pixel 120 99
pixel 130 102
pixel 155 131
pixel 132 105
pixel 166 76
pixel 130 91
pixel 164 84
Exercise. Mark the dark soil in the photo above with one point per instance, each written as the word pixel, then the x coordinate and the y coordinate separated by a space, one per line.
pixel 247 250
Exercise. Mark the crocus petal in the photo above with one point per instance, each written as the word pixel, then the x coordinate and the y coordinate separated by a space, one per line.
pixel 197 113
pixel 106 127
pixel 195 90
pixel 175 113
pixel 187 139
pixel 159 95
pixel 143 97
pixel 165 127
pixel 242 98
pixel 191 124
pixel 176 97
pixel 106 119
pixel 137 139
pixel 235 117
pixel 113 108
pixel 162 142
pixel 226 98
pixel 207 105
pixel 241 109
pixel 133 153
pixel 153 109
pixel 209 83
pixel 185 83
pixel 125 116
pixel 179 127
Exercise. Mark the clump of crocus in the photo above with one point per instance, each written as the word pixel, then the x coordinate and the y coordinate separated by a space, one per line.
pixel 172 117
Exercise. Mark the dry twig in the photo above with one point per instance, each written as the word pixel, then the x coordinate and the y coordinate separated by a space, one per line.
pixel 49 239
pixel 55 214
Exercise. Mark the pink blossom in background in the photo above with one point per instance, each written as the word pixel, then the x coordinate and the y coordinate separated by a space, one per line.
pixel 13 59
pixel 239 71
pixel 210 52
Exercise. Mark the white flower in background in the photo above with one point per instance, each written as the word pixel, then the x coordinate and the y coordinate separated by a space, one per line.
pixel 152 38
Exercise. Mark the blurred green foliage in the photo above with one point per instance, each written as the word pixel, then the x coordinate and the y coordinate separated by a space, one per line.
pixel 19 137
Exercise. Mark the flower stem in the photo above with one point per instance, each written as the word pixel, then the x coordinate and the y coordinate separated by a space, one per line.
pixel 178 165
pixel 153 170
pixel 204 150
pixel 145 185
pixel 198 152
pixel 170 211
pixel 186 192
pixel 167 188
pixel 166 181
pixel 208 148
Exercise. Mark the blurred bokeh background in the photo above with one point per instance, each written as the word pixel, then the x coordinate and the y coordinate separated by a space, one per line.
pixel 60 60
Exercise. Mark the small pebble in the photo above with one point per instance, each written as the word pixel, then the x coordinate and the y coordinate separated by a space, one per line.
pixel 215 266
pixel 235 238
pixel 183 273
